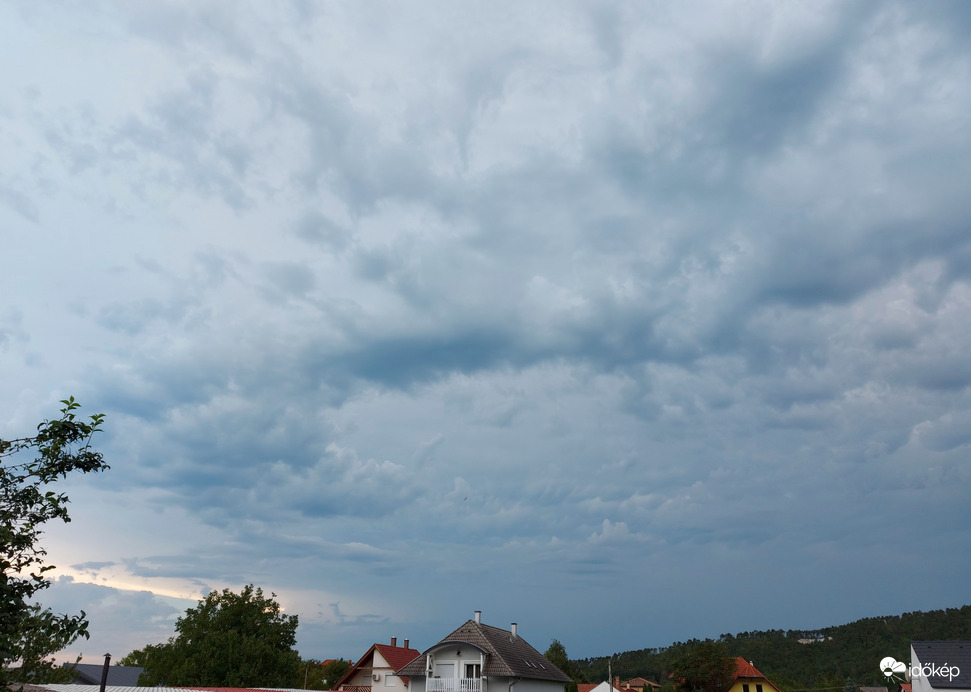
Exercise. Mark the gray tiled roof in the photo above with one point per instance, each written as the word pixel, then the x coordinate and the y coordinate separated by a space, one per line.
pixel 505 655
pixel 950 654
pixel 118 676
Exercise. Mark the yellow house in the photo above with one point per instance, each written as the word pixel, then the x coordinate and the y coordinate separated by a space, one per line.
pixel 749 679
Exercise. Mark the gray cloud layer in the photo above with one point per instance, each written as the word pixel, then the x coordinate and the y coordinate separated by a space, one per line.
pixel 405 311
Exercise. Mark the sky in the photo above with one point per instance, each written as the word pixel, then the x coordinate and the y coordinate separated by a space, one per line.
pixel 627 322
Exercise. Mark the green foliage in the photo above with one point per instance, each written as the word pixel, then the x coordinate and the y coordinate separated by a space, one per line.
pixel 42 636
pixel 705 667
pixel 334 671
pixel 556 654
pixel 28 632
pixel 228 640
pixel 836 654
pixel 318 675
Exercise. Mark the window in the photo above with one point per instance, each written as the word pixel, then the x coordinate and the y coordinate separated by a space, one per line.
pixel 473 670
pixel 758 688
pixel 744 688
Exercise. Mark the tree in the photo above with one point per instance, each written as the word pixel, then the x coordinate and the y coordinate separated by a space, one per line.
pixel 704 667
pixel 322 675
pixel 556 654
pixel 228 640
pixel 28 632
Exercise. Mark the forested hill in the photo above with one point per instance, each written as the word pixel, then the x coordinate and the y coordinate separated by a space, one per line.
pixel 840 656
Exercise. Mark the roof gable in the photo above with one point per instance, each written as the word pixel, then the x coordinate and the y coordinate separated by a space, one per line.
pixel 395 656
pixel 746 670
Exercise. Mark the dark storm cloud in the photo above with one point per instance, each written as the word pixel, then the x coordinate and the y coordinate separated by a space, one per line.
pixel 393 301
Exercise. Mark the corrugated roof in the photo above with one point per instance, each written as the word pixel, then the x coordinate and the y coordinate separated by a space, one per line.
pixel 507 655
pixel 121 688
pixel 125 688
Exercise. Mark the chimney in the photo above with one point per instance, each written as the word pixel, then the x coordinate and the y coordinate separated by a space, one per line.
pixel 406 644
pixel 478 617
pixel 617 681
pixel 515 631
pixel 394 641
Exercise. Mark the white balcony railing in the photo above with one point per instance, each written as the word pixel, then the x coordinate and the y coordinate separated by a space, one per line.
pixel 454 685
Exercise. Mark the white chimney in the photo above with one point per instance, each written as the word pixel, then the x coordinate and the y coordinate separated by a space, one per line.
pixel 478 617
pixel 515 631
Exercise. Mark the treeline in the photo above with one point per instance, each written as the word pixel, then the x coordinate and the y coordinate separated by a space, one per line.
pixel 844 656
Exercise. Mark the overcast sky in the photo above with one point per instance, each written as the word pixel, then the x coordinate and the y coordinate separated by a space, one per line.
pixel 627 322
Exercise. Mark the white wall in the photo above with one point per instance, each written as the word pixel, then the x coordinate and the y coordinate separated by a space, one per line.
pixel 457 656
pixel 918 684
pixel 388 681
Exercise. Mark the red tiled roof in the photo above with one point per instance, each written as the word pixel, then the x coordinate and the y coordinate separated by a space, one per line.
pixel 397 656
pixel 590 686
pixel 745 669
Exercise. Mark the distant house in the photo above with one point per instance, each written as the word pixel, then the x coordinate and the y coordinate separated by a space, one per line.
pixel 748 678
pixel 597 687
pixel 376 669
pixel 90 674
pixel 637 684
pixel 482 658
pixel 940 666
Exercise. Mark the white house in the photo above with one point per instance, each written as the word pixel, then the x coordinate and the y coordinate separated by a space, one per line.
pixel 376 669
pixel 482 658
pixel 940 666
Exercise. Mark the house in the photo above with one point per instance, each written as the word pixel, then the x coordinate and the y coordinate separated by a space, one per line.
pixel 747 678
pixel 597 687
pixel 636 684
pixel 376 669
pixel 940 666
pixel 483 658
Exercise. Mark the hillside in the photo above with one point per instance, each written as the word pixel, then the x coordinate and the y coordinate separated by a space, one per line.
pixel 841 656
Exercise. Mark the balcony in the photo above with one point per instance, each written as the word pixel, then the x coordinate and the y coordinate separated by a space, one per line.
pixel 453 685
